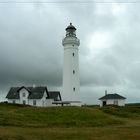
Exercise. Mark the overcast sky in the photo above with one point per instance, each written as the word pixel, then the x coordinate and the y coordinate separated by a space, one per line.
pixel 31 49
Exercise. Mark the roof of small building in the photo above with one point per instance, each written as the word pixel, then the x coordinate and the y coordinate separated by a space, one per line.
pixel 34 93
pixel 13 94
pixel 112 96
pixel 55 95
pixel 37 92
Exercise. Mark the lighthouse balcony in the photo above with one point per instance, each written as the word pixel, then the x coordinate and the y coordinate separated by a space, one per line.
pixel 71 40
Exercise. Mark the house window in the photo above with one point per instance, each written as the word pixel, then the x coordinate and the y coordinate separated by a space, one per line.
pixel 73 54
pixel 74 89
pixel 24 102
pixel 34 102
pixel 14 101
pixel 115 102
pixel 23 94
pixel 73 71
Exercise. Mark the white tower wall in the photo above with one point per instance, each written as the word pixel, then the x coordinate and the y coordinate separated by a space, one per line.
pixel 71 81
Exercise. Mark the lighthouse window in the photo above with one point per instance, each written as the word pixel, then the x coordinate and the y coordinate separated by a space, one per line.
pixel 73 71
pixel 74 89
pixel 73 54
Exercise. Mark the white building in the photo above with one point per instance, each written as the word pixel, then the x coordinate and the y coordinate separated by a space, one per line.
pixel 112 99
pixel 35 96
pixel 71 82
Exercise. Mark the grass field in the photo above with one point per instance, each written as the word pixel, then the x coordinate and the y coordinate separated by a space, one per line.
pixel 18 122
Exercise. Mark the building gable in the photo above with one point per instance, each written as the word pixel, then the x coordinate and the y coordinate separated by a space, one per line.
pixel 24 88
pixel 23 94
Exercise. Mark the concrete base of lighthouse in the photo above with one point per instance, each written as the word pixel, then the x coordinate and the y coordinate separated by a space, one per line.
pixel 68 103
pixel 71 98
pixel 76 103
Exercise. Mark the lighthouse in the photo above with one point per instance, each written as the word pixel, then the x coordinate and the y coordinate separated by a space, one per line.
pixel 71 81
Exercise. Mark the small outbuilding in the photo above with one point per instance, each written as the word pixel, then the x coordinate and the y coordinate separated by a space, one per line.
pixel 112 99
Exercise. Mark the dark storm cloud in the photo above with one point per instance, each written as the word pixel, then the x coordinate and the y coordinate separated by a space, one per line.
pixel 28 52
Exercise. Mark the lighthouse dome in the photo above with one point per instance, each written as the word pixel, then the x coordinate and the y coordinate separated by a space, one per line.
pixel 70 27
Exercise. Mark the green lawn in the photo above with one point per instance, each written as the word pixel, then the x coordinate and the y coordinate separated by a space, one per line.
pixel 19 122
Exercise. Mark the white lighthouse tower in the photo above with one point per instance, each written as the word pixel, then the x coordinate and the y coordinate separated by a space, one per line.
pixel 71 81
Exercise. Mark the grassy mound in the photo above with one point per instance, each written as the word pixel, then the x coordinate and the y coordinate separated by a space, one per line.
pixel 18 122
pixel 26 116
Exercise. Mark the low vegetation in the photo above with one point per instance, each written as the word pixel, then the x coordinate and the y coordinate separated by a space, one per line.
pixel 123 112
pixel 19 122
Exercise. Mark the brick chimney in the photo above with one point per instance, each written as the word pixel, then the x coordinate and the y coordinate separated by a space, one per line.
pixel 105 92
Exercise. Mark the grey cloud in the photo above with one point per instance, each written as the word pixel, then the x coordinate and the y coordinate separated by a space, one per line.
pixel 31 51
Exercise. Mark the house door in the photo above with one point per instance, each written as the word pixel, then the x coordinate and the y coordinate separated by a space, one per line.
pixel 104 103
pixel 24 102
